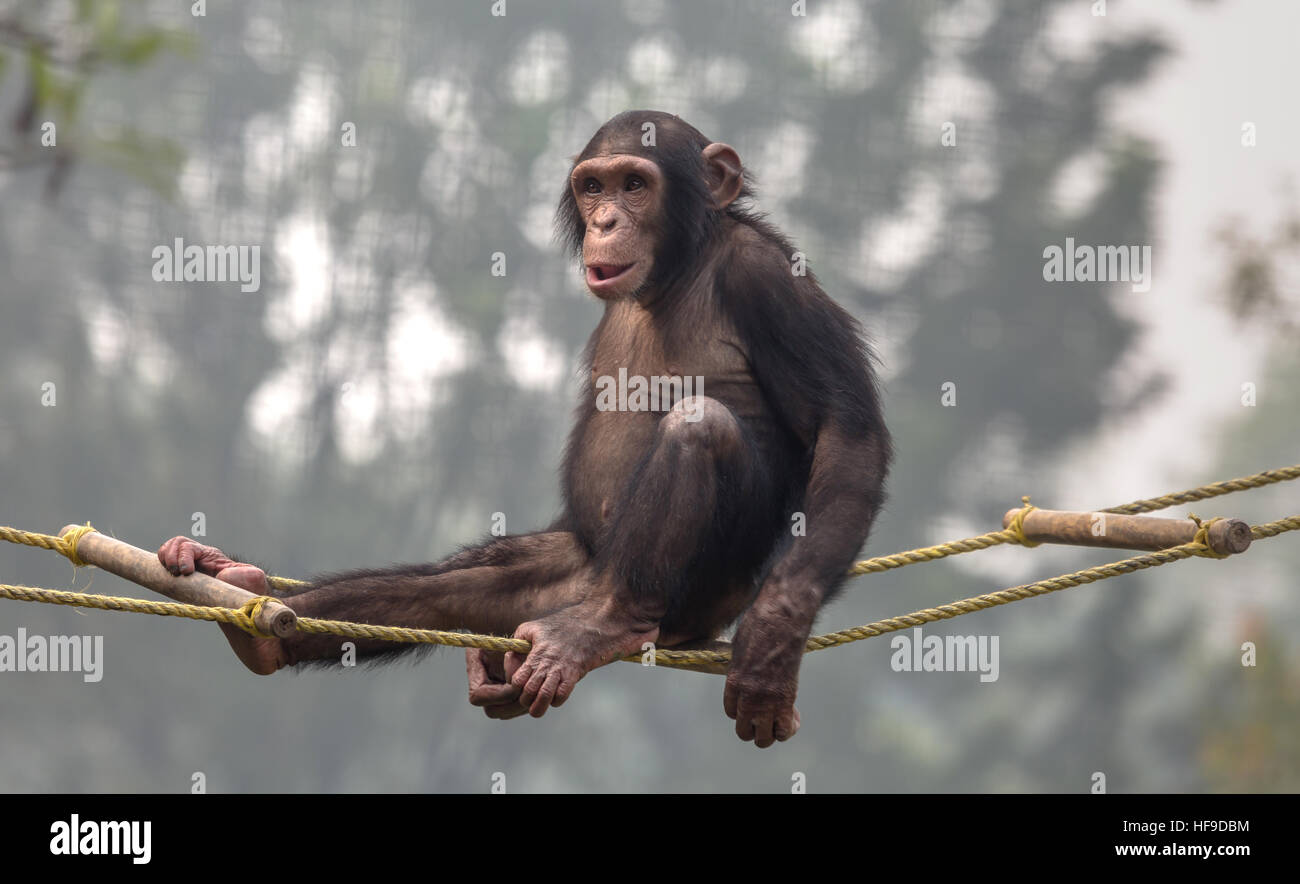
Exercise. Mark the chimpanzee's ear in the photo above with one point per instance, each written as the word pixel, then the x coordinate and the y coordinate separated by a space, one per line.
pixel 722 166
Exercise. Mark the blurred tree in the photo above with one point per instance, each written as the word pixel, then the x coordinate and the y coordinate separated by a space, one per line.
pixel 59 48
pixel 1261 277
pixel 1249 743
pixel 384 393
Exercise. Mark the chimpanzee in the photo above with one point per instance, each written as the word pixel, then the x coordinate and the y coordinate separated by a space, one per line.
pixel 746 497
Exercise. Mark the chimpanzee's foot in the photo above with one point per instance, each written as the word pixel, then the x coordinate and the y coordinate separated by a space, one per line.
pixel 184 555
pixel 261 655
pixel 570 643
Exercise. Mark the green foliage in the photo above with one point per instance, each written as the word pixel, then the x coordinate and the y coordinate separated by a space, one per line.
pixel 148 159
pixel 163 386
pixel 63 62
pixel 1250 743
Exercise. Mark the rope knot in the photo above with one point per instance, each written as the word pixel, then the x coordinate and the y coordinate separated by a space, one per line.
pixel 67 544
pixel 1017 526
pixel 1202 536
pixel 245 616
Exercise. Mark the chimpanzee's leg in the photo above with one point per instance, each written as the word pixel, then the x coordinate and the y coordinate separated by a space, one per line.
pixel 697 519
pixel 672 527
pixel 488 588
pixel 492 587
pixel 678 552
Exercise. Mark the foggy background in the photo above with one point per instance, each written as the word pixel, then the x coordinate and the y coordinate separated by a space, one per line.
pixel 383 394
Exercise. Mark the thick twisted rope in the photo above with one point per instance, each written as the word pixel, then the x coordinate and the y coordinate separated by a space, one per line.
pixel 243 617
pixel 1013 534
pixel 1041 587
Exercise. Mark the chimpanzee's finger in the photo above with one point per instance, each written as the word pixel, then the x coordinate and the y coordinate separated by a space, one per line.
pixel 787 724
pixel 546 693
pixel 185 557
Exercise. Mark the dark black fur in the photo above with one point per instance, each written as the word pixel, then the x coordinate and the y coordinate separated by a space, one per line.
pixel 808 353
pixel 814 371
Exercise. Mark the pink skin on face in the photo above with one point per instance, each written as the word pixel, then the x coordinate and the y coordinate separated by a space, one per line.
pixel 606 278
pixel 619 196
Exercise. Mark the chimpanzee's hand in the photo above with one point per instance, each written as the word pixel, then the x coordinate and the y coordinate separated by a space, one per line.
pixel 489 683
pixel 764 678
pixel 182 556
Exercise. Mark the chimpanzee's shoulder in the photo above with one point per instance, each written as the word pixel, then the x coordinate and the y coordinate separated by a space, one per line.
pixel 761 270
pixel 753 238
pixel 753 260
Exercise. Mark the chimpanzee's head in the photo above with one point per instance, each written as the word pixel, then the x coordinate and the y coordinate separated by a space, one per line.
pixel 644 199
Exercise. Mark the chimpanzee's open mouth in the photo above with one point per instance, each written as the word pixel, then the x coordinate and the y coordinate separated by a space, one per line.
pixel 606 272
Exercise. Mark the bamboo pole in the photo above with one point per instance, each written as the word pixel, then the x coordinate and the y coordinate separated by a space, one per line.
pixel 1226 537
pixel 142 567
pixel 1111 530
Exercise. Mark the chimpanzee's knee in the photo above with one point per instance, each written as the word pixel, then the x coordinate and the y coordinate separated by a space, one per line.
pixel 702 422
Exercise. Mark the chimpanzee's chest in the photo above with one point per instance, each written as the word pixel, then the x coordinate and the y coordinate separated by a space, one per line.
pixel 638 373
pixel 638 368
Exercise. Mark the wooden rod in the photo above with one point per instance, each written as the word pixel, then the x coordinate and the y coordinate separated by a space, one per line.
pixel 142 567
pixel 1226 537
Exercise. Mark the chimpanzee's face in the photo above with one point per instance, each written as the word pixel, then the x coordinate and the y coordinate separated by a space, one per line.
pixel 620 198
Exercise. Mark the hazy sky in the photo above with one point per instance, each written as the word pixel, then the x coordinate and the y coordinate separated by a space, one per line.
pixel 1234 61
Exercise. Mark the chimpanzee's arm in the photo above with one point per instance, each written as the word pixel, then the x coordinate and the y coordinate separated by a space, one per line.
pixel 844 494
pixel 809 358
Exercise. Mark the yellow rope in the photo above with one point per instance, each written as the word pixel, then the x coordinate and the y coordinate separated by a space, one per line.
pixel 1202 536
pixel 237 616
pixel 1009 535
pixel 1012 534
pixel 64 546
pixel 1205 492
pixel 244 617
pixel 1040 587
pixel 1017 526
pixel 248 615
